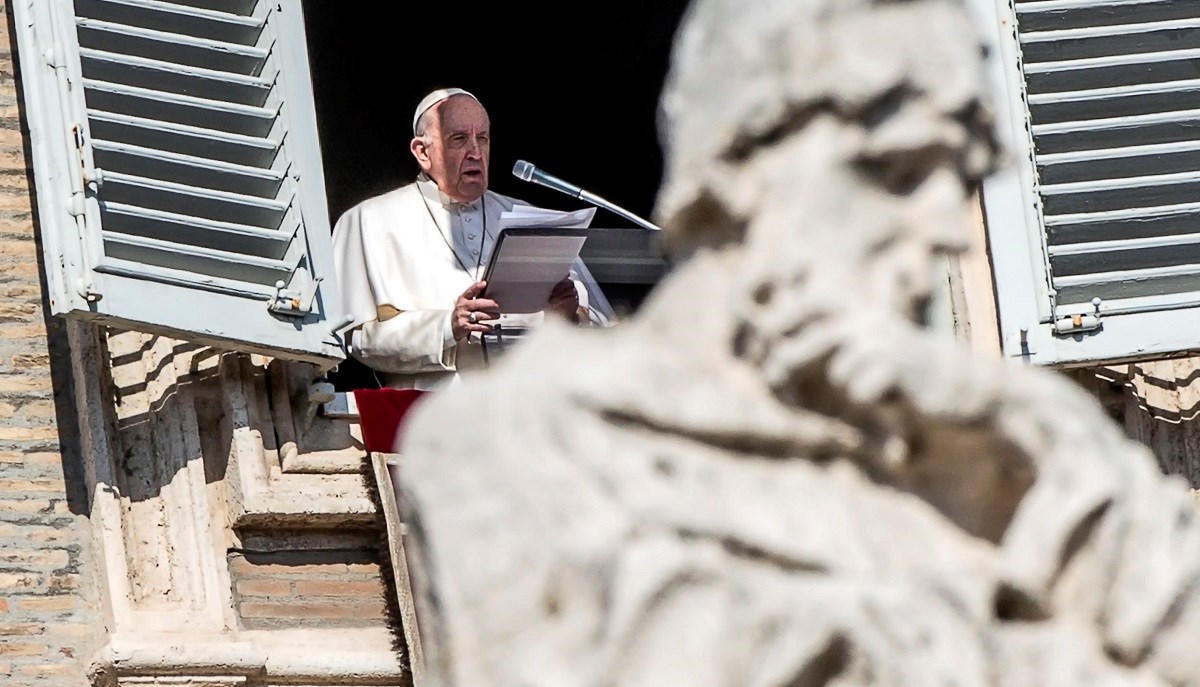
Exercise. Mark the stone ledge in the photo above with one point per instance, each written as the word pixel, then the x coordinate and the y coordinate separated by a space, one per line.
pixel 306 501
pixel 288 659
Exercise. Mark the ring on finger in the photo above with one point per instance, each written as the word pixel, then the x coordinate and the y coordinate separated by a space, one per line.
pixel 473 317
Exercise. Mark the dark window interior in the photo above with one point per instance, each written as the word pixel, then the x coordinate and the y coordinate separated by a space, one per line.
pixel 572 89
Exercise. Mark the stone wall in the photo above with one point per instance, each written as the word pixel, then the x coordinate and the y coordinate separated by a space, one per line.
pixel 330 580
pixel 234 520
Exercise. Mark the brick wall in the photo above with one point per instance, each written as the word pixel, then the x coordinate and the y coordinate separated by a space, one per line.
pixel 336 584
pixel 49 618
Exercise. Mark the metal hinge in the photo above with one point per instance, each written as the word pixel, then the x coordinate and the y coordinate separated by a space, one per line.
pixel 1079 322
pixel 77 206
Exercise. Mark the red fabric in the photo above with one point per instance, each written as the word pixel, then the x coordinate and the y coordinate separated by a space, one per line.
pixel 381 414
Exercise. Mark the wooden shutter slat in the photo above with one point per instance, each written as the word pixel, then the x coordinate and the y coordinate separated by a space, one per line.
pixel 173 255
pixel 189 169
pixel 184 139
pixel 242 7
pixel 172 47
pixel 197 231
pixel 1062 14
pixel 221 206
pixel 205 113
pixel 184 278
pixel 169 77
pixel 179 19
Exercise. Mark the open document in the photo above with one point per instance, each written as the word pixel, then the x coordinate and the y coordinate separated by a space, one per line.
pixel 536 248
pixel 526 264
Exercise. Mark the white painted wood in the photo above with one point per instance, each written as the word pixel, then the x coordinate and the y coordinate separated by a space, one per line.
pixel 179 172
pixel 1098 201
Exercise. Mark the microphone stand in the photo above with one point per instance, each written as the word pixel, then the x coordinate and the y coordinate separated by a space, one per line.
pixel 527 172
pixel 589 197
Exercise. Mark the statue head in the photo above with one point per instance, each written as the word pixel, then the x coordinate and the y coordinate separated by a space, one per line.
pixel 838 141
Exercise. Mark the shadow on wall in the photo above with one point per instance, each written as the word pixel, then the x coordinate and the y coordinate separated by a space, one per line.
pixel 1158 404
pixel 168 403
pixel 58 347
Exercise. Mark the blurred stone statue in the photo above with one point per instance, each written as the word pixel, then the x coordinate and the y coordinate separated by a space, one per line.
pixel 775 476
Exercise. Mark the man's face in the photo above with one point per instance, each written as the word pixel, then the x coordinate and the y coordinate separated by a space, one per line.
pixel 459 148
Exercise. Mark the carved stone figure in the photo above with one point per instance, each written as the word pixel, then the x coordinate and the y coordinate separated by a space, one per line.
pixel 774 475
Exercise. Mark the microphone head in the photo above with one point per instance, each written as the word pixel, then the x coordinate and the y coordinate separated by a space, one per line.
pixel 523 170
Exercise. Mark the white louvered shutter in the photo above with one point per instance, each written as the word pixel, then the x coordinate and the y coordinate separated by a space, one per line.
pixel 178 171
pixel 1096 237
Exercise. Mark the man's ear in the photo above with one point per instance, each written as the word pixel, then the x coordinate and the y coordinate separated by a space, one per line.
pixel 420 150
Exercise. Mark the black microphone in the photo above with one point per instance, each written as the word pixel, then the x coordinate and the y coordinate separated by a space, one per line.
pixel 527 172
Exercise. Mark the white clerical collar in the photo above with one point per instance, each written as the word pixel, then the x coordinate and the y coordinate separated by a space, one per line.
pixel 433 194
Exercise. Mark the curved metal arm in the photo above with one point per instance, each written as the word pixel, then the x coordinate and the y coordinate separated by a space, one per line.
pixel 596 200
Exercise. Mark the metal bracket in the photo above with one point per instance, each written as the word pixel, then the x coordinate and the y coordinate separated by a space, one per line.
pixel 1024 349
pixel 94 178
pixel 295 302
pixel 1079 322
pixel 87 289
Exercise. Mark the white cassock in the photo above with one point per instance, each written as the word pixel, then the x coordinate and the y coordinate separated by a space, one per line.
pixel 403 258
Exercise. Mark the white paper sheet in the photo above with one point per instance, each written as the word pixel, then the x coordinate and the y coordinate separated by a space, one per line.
pixel 534 217
pixel 525 267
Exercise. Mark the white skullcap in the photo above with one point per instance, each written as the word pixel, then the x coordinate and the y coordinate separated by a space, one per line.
pixel 433 99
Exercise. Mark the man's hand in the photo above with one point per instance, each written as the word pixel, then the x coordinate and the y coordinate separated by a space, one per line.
pixel 470 313
pixel 564 300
